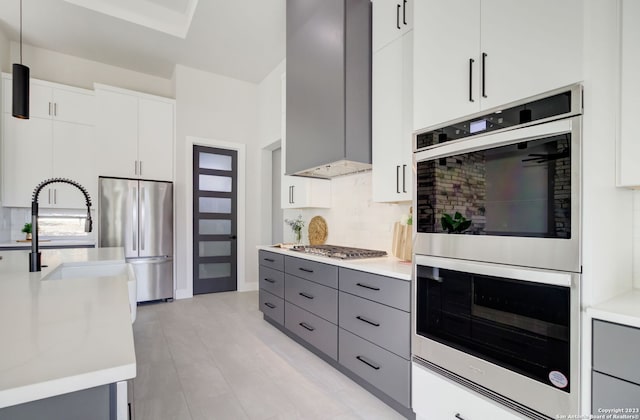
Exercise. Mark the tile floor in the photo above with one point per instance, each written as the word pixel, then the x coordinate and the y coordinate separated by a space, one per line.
pixel 214 357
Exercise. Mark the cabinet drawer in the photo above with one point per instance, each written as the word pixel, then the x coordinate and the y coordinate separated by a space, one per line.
pixel 315 298
pixel 380 368
pixel 316 331
pixel 609 392
pixel 310 270
pixel 272 281
pixel 272 306
pixel 271 260
pixel 615 350
pixel 387 327
pixel 387 290
pixel 435 397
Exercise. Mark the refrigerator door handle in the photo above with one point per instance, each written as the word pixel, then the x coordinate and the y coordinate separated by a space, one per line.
pixel 149 260
pixel 143 205
pixel 134 215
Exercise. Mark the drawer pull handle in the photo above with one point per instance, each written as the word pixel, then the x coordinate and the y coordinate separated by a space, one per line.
pixel 269 280
pixel 458 416
pixel 306 326
pixel 366 286
pixel 375 324
pixel 306 270
pixel 368 363
pixel 270 305
pixel 270 259
pixel 308 296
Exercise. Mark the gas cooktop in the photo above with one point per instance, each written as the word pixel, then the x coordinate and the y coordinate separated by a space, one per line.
pixel 341 252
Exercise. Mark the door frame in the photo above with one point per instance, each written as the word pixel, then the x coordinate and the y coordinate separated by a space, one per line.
pixel 241 203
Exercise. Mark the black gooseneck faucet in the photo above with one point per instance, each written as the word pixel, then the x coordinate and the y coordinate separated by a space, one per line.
pixel 34 255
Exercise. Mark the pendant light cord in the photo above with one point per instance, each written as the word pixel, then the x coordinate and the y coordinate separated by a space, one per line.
pixel 20 31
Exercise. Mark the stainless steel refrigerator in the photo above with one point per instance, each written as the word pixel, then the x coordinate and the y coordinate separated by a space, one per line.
pixel 138 216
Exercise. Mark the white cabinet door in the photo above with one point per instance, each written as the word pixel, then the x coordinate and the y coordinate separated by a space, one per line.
pixel 155 139
pixel 117 134
pixel 391 20
pixel 434 397
pixel 40 102
pixel 530 47
pixel 27 151
pixel 629 142
pixel 74 158
pixel 446 81
pixel 73 106
pixel 387 117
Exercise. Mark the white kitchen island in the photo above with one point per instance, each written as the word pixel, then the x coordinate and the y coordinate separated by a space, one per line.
pixel 62 336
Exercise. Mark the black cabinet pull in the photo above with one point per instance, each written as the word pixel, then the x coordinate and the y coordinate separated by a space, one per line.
pixel 306 326
pixel 269 280
pixel 308 296
pixel 398 179
pixel 363 319
pixel 306 270
pixel 366 286
pixel 270 305
pixel 404 12
pixel 484 59
pixel 398 17
pixel 368 363
pixel 270 259
pixel 471 61
pixel 293 197
pixel 458 416
pixel 404 178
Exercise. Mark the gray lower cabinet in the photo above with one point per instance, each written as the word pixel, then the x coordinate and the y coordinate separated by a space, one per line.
pixel 381 368
pixel 316 331
pixel 616 373
pixel 357 321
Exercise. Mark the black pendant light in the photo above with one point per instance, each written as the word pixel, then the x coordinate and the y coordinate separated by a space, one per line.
pixel 20 83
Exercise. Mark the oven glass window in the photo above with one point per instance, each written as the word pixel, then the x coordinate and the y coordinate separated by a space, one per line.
pixel 522 326
pixel 522 189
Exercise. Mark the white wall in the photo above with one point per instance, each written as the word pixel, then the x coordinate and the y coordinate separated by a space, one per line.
pixel 74 71
pixel 221 109
pixel 607 238
pixel 354 219
pixel 636 239
pixel 5 53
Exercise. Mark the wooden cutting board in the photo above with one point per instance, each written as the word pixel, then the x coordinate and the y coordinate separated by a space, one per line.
pixel 29 240
pixel 318 231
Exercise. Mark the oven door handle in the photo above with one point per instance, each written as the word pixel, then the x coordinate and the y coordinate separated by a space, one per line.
pixel 500 138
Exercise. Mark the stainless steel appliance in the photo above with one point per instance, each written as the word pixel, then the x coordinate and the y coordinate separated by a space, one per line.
pixel 138 216
pixel 504 186
pixel 509 333
pixel 341 252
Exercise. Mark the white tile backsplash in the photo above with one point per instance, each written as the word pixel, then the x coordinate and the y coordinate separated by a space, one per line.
pixel 353 219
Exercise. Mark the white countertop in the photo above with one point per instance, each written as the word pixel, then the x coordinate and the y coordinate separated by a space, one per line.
pixel 622 309
pixel 48 243
pixel 60 336
pixel 385 266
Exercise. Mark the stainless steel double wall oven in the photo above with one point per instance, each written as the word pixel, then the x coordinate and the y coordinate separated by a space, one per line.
pixel 498 255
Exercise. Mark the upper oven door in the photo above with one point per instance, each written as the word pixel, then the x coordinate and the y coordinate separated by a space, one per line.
pixel 512 197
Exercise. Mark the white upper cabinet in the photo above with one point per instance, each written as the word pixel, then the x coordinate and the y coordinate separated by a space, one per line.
pixel 57 141
pixel 446 73
pixel 472 55
pixel 391 20
pixel 135 133
pixel 391 121
pixel 54 101
pixel 629 142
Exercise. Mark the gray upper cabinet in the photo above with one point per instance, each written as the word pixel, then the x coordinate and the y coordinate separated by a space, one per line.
pixel 328 95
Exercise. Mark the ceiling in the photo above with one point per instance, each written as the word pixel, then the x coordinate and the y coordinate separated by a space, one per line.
pixel 240 39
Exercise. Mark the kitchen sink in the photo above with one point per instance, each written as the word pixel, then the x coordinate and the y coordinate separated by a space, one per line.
pixel 98 269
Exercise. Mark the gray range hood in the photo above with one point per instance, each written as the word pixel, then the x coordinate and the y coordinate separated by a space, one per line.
pixel 328 131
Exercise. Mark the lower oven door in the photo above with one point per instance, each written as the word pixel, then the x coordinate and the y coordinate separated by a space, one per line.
pixel 513 331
